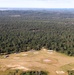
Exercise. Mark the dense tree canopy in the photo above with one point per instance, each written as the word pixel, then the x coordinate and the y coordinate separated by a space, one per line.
pixel 25 30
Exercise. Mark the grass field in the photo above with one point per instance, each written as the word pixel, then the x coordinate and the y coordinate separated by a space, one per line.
pixel 51 61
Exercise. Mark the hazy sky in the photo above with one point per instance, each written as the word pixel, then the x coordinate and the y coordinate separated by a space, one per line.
pixel 37 3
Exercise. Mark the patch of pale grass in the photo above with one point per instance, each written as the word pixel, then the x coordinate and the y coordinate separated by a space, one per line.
pixel 1 56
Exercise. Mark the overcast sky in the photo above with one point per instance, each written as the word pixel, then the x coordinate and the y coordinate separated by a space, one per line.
pixel 37 3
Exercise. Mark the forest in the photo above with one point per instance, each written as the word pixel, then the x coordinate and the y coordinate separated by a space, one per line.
pixel 24 30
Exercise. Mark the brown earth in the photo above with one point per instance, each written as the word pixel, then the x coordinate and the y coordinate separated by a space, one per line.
pixel 53 62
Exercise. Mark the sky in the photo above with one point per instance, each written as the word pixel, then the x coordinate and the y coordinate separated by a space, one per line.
pixel 36 3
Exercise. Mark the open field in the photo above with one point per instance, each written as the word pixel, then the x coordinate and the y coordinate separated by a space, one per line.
pixel 53 62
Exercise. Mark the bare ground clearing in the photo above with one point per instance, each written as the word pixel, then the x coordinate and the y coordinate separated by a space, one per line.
pixel 55 63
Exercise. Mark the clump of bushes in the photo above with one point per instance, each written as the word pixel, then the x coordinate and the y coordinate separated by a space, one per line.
pixel 71 72
pixel 19 72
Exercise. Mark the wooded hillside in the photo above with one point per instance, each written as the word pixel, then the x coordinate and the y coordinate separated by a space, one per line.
pixel 30 29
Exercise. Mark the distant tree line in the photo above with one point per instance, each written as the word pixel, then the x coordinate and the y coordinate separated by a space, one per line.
pixel 36 29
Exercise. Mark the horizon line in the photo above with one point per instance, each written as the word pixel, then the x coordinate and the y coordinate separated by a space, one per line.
pixel 33 8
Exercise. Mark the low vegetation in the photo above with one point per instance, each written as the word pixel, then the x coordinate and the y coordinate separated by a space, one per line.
pixel 71 72
pixel 19 72
pixel 67 67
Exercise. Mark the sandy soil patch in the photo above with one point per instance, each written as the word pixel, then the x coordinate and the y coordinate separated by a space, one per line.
pixel 12 66
pixel 24 54
pixel 47 60
pixel 16 58
pixel 39 60
pixel 50 60
pixel 36 52
pixel 18 67
pixel 73 69
pixel 50 52
pixel 21 67
pixel 60 72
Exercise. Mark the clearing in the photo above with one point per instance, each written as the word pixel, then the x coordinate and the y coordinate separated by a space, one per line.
pixel 53 62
